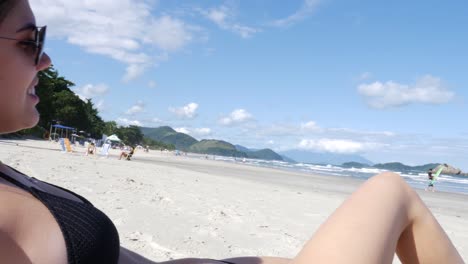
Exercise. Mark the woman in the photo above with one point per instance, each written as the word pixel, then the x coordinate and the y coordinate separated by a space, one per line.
pixel 127 155
pixel 43 223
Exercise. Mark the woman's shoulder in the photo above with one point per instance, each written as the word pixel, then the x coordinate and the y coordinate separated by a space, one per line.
pixel 25 225
pixel 17 204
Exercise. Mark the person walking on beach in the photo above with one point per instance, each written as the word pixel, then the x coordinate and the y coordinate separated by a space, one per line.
pixel 430 186
pixel 42 223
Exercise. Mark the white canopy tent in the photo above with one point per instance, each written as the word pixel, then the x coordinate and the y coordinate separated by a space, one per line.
pixel 113 138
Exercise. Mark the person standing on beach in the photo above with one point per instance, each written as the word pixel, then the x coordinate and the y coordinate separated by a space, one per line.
pixel 430 186
pixel 42 223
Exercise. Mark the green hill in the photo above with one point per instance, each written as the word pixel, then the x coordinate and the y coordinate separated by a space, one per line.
pixel 393 166
pixel 426 167
pixel 185 142
pixel 266 154
pixel 216 147
pixel 356 165
pixel 168 135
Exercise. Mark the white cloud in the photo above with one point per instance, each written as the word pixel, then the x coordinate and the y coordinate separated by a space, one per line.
pixel 90 91
pixel 427 90
pixel 223 17
pixel 202 132
pixel 188 111
pixel 124 30
pixel 182 130
pixel 238 116
pixel 169 34
pixel 127 122
pixel 196 132
pixel 360 134
pixel 133 71
pixel 137 108
pixel 310 126
pixel 156 120
pixel 332 145
pixel 307 8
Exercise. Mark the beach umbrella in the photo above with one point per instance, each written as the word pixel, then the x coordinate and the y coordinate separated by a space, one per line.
pixel 113 138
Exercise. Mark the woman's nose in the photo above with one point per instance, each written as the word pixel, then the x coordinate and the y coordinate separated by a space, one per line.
pixel 44 63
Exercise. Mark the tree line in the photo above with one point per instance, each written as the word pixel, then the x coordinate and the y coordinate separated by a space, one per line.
pixel 60 105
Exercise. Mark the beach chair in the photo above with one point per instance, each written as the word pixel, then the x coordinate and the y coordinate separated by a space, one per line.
pixel 105 150
pixel 67 145
pixel 62 145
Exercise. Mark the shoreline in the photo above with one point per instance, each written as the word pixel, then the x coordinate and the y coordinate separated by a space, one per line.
pixel 167 206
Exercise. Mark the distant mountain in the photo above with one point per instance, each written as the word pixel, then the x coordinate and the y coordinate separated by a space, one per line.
pixel 288 159
pixel 185 142
pixel 393 166
pixel 398 166
pixel 242 148
pixel 265 154
pixel 324 158
pixel 356 165
pixel 216 147
pixel 168 135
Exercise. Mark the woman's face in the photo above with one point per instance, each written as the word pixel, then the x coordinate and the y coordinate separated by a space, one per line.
pixel 18 72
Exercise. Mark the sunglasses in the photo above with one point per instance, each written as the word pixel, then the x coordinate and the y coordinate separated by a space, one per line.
pixel 36 46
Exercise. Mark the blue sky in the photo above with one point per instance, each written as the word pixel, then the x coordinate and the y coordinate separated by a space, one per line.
pixel 383 79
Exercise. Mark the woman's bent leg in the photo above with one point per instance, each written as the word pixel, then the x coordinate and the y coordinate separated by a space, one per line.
pixel 385 215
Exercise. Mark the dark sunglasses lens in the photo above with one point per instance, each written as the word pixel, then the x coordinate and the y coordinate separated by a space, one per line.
pixel 40 43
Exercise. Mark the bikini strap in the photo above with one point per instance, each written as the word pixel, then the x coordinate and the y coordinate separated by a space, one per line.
pixel 32 189
pixel 15 181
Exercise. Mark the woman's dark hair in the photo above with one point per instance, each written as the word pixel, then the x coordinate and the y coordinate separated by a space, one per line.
pixel 5 8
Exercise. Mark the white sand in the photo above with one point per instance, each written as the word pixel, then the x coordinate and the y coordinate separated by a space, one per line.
pixel 167 206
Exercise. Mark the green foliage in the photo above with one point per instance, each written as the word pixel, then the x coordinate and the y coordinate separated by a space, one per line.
pixel 50 83
pixel 35 132
pixel 60 103
pixel 110 128
pixel 130 135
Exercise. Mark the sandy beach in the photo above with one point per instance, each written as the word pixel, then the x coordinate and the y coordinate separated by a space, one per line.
pixel 168 206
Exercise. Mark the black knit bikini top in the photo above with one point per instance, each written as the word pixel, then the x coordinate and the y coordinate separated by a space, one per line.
pixel 90 236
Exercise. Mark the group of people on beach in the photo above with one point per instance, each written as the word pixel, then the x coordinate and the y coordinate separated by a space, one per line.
pixel 42 223
pixel 127 154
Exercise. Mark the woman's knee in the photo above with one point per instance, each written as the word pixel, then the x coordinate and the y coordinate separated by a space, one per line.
pixel 393 183
pixel 390 179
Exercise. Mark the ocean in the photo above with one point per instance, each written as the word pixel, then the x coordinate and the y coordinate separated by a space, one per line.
pixel 416 179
